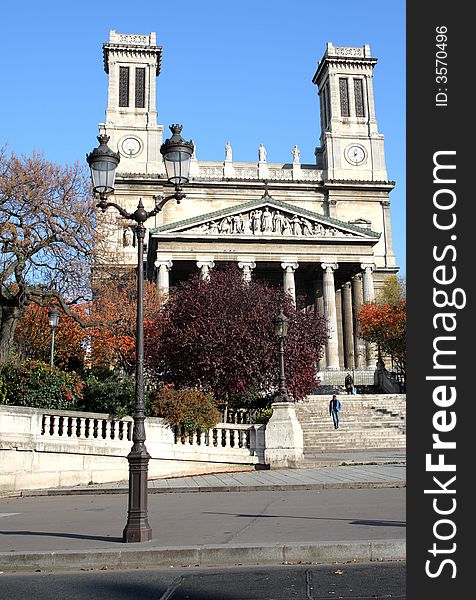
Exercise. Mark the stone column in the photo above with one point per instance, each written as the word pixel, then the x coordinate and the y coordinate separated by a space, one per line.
pixel 368 281
pixel 289 284
pixel 205 263
pixel 340 331
pixel 247 264
pixel 319 308
pixel 357 299
pixel 332 349
pixel 387 232
pixel 163 265
pixel 348 325
pixel 369 296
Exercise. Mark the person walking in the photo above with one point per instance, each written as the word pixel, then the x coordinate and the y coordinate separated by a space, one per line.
pixel 334 409
pixel 349 383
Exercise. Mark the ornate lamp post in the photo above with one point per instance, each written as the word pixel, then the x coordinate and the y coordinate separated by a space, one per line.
pixel 103 163
pixel 280 323
pixel 53 320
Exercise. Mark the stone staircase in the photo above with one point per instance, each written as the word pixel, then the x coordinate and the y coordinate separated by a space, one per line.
pixel 367 421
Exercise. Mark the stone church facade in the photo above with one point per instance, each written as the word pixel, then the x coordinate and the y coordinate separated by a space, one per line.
pixel 321 230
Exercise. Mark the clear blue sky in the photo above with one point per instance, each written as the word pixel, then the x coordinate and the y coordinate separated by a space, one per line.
pixel 238 71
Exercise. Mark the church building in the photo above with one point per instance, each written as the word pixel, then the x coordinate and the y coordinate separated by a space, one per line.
pixel 321 230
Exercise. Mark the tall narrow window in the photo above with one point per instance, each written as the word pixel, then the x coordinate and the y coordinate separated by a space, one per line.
pixel 140 87
pixel 323 115
pixel 344 97
pixel 327 105
pixel 123 86
pixel 359 98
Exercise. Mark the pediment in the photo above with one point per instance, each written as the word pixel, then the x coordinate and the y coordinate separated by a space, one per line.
pixel 263 218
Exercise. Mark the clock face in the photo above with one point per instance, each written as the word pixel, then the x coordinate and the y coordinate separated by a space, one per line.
pixel 130 146
pixel 355 154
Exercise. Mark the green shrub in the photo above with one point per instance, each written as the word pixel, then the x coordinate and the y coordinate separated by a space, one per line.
pixel 36 384
pixel 108 392
pixel 114 394
pixel 190 408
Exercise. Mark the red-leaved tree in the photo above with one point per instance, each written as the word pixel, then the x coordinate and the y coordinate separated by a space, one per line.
pixel 218 335
pixel 385 325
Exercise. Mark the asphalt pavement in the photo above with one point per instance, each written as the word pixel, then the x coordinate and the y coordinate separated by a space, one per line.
pixel 351 510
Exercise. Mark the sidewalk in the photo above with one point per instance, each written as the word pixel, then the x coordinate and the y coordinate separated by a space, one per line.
pixel 313 514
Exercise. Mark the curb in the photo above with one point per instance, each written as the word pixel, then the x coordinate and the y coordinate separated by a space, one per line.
pixel 207 556
pixel 225 488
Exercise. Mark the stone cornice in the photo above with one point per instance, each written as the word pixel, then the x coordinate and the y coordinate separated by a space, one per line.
pixel 132 50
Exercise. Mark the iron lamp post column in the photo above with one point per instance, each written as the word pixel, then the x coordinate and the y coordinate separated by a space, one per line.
pixel 53 320
pixel 103 163
pixel 280 323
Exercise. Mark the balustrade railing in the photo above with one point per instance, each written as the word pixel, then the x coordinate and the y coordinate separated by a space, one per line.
pixel 222 436
pixel 86 427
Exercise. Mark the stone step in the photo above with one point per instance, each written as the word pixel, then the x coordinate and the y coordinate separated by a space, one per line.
pixel 367 421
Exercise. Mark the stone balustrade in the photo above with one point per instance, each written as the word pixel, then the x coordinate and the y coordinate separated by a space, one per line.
pixel 45 448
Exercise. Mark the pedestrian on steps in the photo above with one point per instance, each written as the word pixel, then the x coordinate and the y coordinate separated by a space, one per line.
pixel 349 383
pixel 334 409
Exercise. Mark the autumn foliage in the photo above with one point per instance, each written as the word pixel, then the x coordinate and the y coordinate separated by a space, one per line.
pixel 217 335
pixel 385 325
pixel 33 337
pixel 113 313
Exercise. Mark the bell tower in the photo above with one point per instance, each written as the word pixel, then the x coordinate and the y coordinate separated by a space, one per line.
pixel 351 146
pixel 132 62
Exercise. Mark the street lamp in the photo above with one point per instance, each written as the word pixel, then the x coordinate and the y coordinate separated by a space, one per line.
pixel 53 320
pixel 103 163
pixel 280 323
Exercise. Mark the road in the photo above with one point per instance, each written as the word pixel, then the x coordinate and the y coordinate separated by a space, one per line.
pixel 367 581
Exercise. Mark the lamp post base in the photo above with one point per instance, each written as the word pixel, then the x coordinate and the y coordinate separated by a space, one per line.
pixel 137 528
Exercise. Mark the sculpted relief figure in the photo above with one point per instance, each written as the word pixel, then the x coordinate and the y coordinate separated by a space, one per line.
pixel 306 227
pixel 214 228
pixel 128 238
pixel 238 225
pixel 256 221
pixel 225 225
pixel 296 225
pixel 267 221
pixel 286 226
pixel 278 222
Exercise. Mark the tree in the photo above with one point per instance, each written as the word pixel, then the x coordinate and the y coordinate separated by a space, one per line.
pixel 385 325
pixel 113 314
pixel 47 238
pixel 393 291
pixel 217 336
pixel 33 337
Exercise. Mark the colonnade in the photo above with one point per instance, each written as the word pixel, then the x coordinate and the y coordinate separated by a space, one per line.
pixel 338 305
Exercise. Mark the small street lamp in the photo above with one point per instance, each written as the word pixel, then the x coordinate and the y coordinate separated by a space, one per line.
pixel 103 163
pixel 53 320
pixel 280 323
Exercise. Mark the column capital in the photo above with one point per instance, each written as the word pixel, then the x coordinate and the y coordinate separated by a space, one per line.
pixel 288 265
pixel 364 266
pixel 329 265
pixel 243 264
pixel 205 261
pixel 164 261
pixel 347 285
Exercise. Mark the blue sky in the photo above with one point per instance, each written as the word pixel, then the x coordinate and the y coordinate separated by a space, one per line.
pixel 238 71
